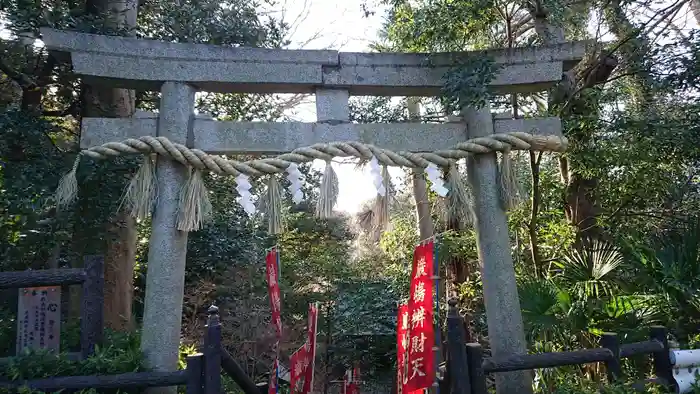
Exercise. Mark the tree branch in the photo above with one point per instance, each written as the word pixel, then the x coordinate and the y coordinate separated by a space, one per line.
pixel 22 79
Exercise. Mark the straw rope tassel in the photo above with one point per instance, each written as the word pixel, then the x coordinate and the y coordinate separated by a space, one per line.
pixel 273 205
pixel 141 193
pixel 194 206
pixel 510 195
pixel 460 209
pixel 329 193
pixel 67 190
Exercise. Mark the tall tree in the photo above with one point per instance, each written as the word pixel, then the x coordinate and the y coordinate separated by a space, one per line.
pixel 121 234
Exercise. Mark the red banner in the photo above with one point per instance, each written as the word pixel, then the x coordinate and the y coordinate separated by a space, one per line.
pixel 298 364
pixel 310 348
pixel 420 373
pixel 402 338
pixel 273 289
pixel 272 385
pixel 351 381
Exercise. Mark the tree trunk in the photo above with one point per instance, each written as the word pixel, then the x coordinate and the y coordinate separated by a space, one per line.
pixel 535 159
pixel 420 186
pixel 119 245
pixel 635 50
pixel 579 202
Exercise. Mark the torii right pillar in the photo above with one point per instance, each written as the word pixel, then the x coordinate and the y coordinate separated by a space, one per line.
pixel 503 315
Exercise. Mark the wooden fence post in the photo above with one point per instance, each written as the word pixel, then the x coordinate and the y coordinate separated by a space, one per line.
pixel 662 361
pixel 610 341
pixel 195 374
pixel 475 360
pixel 212 353
pixel 91 314
pixel 457 354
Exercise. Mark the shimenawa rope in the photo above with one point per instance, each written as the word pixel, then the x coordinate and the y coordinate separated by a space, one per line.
pixel 258 167
pixel 192 213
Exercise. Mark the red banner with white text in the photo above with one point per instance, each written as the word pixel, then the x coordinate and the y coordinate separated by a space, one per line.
pixel 273 289
pixel 298 364
pixel 311 348
pixel 351 381
pixel 402 338
pixel 420 373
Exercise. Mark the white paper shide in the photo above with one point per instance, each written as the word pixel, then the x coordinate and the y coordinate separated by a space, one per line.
pixel 375 171
pixel 296 180
pixel 244 197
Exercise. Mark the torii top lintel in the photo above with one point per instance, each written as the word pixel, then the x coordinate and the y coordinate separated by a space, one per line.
pixel 146 64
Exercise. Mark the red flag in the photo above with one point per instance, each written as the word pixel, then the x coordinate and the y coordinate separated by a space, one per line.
pixel 352 381
pixel 347 380
pixel 311 348
pixel 350 385
pixel 273 289
pixel 272 385
pixel 402 338
pixel 298 364
pixel 420 373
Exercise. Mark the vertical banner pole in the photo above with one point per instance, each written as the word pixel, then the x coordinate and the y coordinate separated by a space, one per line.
pixel 279 273
pixel 313 350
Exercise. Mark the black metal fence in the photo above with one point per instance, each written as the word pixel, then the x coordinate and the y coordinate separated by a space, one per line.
pixel 203 372
pixel 467 368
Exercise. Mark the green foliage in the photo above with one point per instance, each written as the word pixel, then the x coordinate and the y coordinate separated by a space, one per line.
pixel 580 386
pixel 642 166
pixel 587 271
pixel 466 85
pixel 438 26
pixel 29 170
pixel 211 22
pixel 120 355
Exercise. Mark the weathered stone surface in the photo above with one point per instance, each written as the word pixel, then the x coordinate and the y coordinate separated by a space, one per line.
pixel 566 52
pixel 271 137
pixel 146 64
pixel 70 41
pixel 503 316
pixel 397 80
pixel 221 76
pixel 165 277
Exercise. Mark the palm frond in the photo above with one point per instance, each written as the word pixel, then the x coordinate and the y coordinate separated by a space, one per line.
pixel 541 305
pixel 589 270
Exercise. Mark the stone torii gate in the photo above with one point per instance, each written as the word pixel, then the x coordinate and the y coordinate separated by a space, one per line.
pixel 180 70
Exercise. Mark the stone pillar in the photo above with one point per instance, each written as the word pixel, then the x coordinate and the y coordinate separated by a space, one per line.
pixel 165 280
pixel 332 105
pixel 503 315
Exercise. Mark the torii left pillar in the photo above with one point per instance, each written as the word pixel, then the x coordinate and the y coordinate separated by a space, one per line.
pixel 165 277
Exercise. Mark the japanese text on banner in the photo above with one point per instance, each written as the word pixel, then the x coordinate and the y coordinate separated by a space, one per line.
pixel 420 373
pixel 298 364
pixel 351 382
pixel 401 347
pixel 273 289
